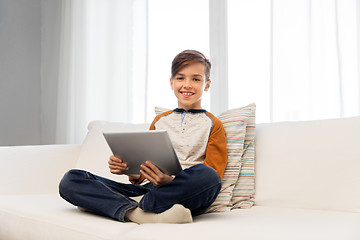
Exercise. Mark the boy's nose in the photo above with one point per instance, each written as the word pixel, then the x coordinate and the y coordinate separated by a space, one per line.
pixel 187 84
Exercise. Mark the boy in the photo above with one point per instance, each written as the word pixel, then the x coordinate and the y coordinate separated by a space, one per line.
pixel 199 140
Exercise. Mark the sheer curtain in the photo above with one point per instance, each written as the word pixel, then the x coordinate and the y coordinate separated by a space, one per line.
pixel 298 60
pixel 103 59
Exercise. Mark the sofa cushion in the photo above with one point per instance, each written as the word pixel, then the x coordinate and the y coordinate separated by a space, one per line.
pixel 95 152
pixel 312 164
pixel 35 169
pixel 41 217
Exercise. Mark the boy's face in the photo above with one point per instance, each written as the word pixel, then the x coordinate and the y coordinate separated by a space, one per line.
pixel 189 85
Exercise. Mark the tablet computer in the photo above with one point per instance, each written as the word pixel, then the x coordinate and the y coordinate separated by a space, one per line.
pixel 135 148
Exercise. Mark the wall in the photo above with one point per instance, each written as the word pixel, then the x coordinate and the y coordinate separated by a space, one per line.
pixel 50 50
pixel 20 75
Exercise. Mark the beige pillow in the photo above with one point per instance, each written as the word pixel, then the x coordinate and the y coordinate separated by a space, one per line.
pixel 234 122
pixel 244 191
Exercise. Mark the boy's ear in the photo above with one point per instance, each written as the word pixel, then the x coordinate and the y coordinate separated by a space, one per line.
pixel 172 84
pixel 207 85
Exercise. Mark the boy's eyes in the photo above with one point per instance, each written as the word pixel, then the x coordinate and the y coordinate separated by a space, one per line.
pixel 182 78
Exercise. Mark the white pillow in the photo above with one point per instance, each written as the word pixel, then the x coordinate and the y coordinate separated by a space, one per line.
pixel 95 151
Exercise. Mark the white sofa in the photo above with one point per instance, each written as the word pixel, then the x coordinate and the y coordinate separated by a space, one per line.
pixel 307 187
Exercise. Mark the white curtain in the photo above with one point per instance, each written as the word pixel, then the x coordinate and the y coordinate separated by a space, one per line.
pixel 102 65
pixel 298 60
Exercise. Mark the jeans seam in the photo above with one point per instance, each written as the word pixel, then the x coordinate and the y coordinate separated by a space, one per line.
pixel 103 183
pixel 116 193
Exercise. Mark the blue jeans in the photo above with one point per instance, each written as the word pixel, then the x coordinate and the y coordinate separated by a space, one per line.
pixel 195 188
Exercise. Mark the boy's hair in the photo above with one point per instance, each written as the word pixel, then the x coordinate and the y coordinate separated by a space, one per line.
pixel 187 57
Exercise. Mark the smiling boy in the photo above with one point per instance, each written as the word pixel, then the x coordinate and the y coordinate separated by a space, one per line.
pixel 200 143
pixel 189 84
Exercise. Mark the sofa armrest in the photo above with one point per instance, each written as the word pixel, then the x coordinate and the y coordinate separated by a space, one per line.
pixel 35 169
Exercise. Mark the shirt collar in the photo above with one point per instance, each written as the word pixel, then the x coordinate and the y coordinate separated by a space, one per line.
pixel 180 110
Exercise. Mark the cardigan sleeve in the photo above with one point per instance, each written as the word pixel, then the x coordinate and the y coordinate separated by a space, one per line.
pixel 216 152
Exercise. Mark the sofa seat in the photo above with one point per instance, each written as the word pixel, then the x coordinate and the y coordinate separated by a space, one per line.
pixel 49 217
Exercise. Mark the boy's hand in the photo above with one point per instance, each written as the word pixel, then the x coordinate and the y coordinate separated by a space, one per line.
pixel 116 165
pixel 154 175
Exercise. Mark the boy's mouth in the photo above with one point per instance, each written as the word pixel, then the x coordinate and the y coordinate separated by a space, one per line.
pixel 187 93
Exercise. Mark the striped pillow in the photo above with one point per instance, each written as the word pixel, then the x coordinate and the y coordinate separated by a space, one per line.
pixel 244 191
pixel 234 122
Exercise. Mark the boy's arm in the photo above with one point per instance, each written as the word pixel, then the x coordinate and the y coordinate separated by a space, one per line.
pixel 216 152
